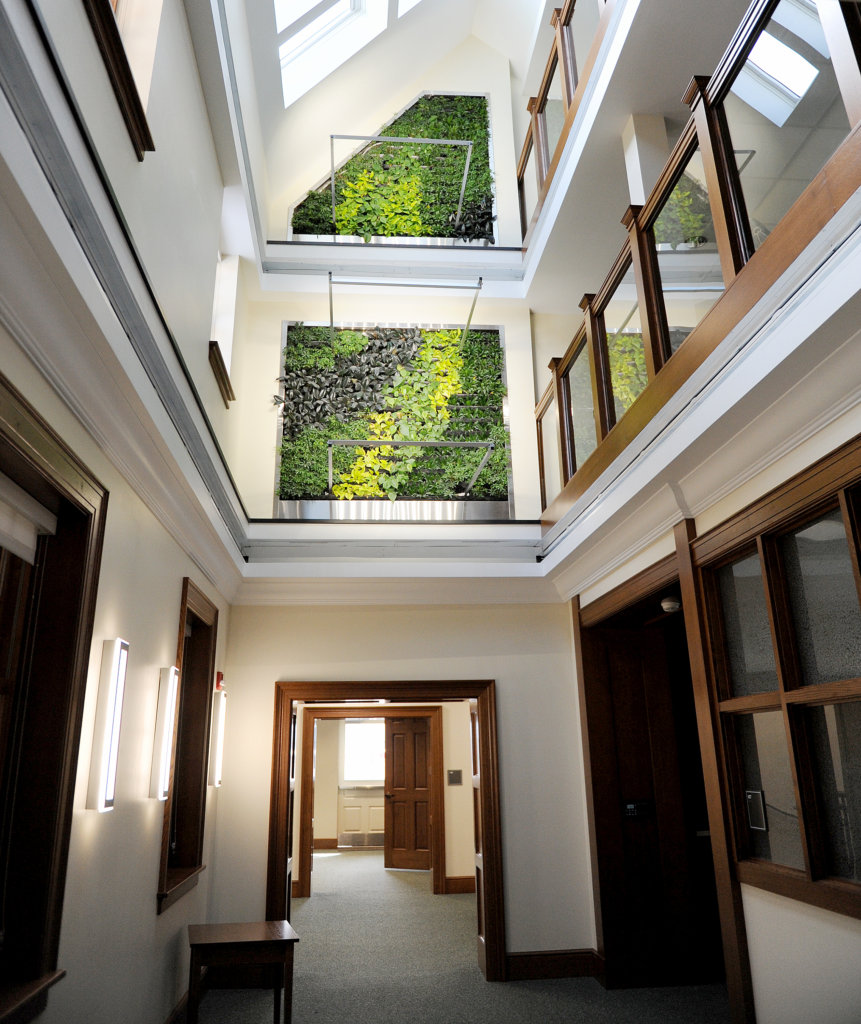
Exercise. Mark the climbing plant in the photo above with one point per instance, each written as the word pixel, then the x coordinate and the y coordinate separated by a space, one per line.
pixel 412 189
pixel 391 385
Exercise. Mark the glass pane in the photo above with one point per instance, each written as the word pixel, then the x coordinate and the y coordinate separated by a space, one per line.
pixel 688 261
pixel 746 629
pixel 836 736
pixel 584 24
pixel 625 349
pixel 582 407
pixel 554 112
pixel 824 600
pixel 785 114
pixel 551 451
pixel 769 796
pixel 530 187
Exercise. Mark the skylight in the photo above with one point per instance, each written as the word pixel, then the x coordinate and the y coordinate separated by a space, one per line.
pixel 774 79
pixel 317 38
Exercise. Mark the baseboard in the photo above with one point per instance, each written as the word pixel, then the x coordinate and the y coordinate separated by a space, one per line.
pixel 555 963
pixel 325 844
pixel 459 884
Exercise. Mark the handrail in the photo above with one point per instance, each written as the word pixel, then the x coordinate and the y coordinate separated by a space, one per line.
pixel 707 131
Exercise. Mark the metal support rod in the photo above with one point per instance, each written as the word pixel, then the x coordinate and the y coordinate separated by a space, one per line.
pixel 331 313
pixel 481 466
pixel 471 311
pixel 401 139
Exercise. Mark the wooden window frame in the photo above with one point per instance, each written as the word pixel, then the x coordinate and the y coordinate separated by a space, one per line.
pixel 182 860
pixel 49 701
pixel 581 345
pixel 110 44
pixel 825 487
pixel 542 408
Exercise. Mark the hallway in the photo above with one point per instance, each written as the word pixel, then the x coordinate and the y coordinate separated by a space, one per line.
pixel 378 947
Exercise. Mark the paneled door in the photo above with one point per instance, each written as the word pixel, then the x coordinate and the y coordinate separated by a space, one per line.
pixel 408 795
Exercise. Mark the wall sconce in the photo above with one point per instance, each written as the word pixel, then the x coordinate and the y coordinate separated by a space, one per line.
pixel 106 738
pixel 216 744
pixel 163 745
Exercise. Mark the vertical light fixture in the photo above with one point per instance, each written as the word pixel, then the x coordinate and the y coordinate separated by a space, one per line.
pixel 106 738
pixel 216 743
pixel 164 722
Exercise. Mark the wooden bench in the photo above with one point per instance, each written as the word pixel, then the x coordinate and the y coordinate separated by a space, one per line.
pixel 240 945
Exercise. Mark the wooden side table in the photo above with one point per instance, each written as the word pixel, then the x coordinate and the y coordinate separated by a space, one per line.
pixel 239 945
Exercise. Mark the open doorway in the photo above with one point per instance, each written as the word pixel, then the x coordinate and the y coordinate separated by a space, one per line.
pixel 401 809
pixel 656 897
pixel 485 790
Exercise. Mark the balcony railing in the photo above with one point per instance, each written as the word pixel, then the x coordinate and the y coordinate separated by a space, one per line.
pixel 578 32
pixel 734 206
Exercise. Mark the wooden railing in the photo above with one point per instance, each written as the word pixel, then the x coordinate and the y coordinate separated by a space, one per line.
pixel 628 383
pixel 541 149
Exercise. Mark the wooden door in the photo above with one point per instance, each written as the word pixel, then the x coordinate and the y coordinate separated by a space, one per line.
pixel 657 904
pixel 408 794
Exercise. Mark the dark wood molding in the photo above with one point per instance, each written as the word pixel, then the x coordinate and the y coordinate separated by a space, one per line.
pixel 555 963
pixel 456 884
pixel 649 581
pixel 325 844
pixel 222 378
pixel 55 658
pixel 110 45
pixel 421 691
pixel 197 635
pixel 733 932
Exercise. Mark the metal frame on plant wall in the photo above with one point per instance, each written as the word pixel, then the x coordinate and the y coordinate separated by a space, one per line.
pixel 396 138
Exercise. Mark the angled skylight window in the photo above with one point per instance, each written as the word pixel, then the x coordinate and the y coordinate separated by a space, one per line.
pixel 774 79
pixel 316 38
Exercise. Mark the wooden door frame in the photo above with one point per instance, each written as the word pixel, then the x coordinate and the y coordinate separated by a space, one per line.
pixel 674 571
pixel 483 691
pixel 310 715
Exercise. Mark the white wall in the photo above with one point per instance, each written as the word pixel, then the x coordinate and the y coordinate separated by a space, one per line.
pixel 527 650
pixel 123 961
pixel 326 779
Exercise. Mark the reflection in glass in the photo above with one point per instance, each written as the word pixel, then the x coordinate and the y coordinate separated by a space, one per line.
pixel 551 451
pixel 746 628
pixel 762 746
pixel 554 113
pixel 625 350
pixel 836 742
pixel 785 114
pixel 824 600
pixel 582 407
pixel 530 187
pixel 688 260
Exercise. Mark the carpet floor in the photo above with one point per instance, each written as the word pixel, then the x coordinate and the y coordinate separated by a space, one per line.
pixel 377 947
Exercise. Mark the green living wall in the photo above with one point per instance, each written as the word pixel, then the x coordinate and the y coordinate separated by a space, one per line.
pixel 393 384
pixel 412 189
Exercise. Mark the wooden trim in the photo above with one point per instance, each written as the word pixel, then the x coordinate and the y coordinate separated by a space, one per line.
pixel 425 691
pixel 756 17
pixel 192 719
pixel 110 46
pixel 819 202
pixel 566 435
pixel 658 576
pixel 834 894
pixel 222 378
pixel 733 932
pixel 177 1014
pixel 555 963
pixel 55 660
pixel 644 261
pixel 325 844
pixel 307 842
pixel 457 884
pixel 800 498
pixel 567 57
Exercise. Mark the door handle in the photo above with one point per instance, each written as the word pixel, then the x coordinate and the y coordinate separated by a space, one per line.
pixel 389 796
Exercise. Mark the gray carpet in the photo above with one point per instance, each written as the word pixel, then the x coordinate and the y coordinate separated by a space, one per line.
pixel 377 947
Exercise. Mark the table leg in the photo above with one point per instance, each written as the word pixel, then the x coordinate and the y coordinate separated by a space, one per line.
pixel 193 989
pixel 277 989
pixel 288 985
